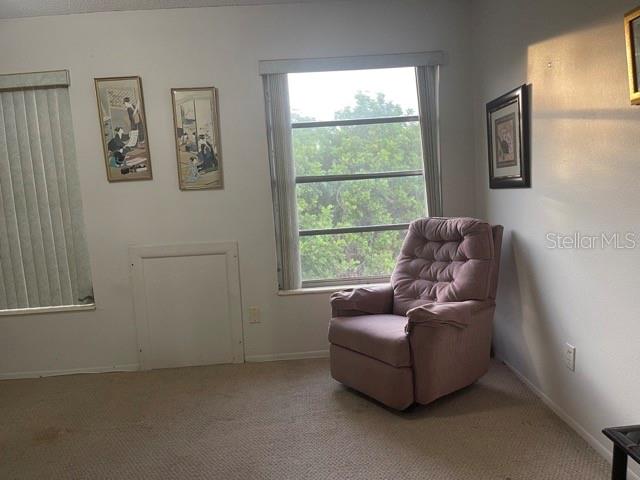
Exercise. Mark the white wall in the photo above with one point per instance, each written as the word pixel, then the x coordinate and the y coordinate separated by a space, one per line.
pixel 586 176
pixel 210 46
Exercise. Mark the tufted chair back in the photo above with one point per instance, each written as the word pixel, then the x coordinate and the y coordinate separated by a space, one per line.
pixel 446 260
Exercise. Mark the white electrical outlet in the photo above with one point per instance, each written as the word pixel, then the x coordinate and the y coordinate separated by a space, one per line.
pixel 570 357
pixel 254 315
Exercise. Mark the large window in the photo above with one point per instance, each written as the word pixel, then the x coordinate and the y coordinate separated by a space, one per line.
pixel 358 165
pixel 354 155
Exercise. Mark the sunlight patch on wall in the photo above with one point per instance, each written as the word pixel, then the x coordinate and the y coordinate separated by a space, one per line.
pixel 579 98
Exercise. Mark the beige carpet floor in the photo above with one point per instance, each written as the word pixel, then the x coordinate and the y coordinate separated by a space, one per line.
pixel 283 420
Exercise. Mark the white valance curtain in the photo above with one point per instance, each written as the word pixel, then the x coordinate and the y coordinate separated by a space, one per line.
pixel 274 73
pixel 44 259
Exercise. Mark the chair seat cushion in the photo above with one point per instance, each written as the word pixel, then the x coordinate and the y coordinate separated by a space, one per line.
pixel 378 336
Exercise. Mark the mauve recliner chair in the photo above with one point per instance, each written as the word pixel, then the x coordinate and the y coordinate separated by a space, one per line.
pixel 428 332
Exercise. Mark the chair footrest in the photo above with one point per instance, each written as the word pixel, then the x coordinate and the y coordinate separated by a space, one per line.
pixel 392 386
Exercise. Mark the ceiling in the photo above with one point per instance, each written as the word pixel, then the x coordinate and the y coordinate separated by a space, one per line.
pixel 36 8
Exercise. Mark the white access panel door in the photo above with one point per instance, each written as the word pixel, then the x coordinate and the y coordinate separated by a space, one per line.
pixel 187 305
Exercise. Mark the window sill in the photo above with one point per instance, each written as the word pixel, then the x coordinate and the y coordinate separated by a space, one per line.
pixel 41 310
pixel 324 290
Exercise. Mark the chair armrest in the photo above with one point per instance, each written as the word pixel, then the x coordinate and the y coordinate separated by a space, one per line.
pixel 377 299
pixel 453 314
pixel 447 357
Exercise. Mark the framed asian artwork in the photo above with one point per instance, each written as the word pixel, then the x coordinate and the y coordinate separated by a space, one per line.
pixel 508 140
pixel 123 127
pixel 632 36
pixel 197 133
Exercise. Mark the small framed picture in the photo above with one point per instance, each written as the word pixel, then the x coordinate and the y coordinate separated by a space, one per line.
pixel 197 131
pixel 632 36
pixel 508 140
pixel 123 126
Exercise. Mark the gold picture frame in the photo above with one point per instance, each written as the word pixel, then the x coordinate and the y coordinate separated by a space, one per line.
pixel 196 122
pixel 123 128
pixel 632 36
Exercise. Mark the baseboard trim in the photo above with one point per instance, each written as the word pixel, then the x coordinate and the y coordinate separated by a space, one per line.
pixel 273 357
pixel 131 367
pixel 601 448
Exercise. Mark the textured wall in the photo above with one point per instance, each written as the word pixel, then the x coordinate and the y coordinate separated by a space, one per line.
pixel 38 8
pixel 210 46
pixel 585 176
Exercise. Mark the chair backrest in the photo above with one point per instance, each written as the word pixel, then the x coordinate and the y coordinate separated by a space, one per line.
pixel 445 260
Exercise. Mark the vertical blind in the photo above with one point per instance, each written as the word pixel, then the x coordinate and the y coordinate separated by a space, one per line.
pixel 44 258
pixel 274 73
pixel 283 180
pixel 428 78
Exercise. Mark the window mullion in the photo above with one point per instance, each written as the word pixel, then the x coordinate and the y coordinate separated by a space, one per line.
pixel 357 176
pixel 358 229
pixel 356 121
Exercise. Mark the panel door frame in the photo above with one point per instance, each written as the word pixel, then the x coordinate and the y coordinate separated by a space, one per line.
pixel 137 256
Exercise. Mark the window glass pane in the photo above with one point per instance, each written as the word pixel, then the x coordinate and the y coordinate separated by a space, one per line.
pixel 350 255
pixel 360 202
pixel 352 94
pixel 357 149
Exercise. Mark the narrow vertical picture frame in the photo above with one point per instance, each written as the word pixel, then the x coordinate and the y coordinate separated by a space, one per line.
pixel 196 121
pixel 123 128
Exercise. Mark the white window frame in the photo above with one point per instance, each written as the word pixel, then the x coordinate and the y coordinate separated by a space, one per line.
pixel 428 119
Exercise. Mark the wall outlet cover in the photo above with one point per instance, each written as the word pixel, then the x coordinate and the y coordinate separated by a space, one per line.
pixel 254 315
pixel 570 357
